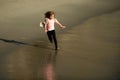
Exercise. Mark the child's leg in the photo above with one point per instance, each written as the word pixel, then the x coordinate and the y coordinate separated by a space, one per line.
pixel 55 40
pixel 49 33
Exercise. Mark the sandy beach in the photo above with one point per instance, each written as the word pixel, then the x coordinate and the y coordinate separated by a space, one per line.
pixel 89 46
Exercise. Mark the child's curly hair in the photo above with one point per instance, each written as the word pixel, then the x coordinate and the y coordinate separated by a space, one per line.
pixel 49 13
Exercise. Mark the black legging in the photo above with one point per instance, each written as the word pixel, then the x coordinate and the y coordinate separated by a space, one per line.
pixel 51 37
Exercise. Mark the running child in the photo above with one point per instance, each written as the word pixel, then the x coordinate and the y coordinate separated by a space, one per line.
pixel 49 27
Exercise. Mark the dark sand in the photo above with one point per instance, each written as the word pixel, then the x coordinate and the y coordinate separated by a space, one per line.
pixel 89 46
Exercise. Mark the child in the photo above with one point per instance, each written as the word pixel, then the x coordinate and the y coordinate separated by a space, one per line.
pixel 49 27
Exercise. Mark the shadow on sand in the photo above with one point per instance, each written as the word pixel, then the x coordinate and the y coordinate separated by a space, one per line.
pixel 23 43
pixel 13 41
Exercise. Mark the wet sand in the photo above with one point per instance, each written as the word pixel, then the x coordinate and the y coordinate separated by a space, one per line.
pixel 89 46
pixel 93 50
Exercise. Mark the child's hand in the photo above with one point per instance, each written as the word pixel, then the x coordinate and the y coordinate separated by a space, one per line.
pixel 45 30
pixel 63 27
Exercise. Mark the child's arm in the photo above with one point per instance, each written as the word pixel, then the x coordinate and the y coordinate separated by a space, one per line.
pixel 45 28
pixel 45 23
pixel 59 24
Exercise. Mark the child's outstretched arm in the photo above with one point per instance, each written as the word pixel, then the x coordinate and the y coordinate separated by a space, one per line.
pixel 60 24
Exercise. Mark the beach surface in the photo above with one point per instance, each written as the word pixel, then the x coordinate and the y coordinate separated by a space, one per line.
pixel 89 46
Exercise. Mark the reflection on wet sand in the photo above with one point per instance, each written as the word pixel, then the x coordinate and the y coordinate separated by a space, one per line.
pixel 37 64
pixel 49 72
